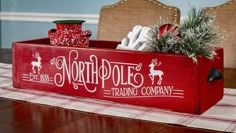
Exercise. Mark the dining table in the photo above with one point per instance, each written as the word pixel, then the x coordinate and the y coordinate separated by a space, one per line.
pixel 17 116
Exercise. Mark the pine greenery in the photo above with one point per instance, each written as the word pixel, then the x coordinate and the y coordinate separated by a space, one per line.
pixel 167 43
pixel 197 34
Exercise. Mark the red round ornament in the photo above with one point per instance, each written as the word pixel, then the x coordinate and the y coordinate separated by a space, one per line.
pixel 169 28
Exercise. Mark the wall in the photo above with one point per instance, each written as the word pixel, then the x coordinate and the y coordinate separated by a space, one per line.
pixel 29 19
pixel 0 24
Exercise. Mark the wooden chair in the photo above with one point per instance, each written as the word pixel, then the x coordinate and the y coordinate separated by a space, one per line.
pixel 117 20
pixel 226 21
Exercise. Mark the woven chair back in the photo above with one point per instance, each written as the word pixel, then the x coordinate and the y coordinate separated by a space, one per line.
pixel 117 20
pixel 226 22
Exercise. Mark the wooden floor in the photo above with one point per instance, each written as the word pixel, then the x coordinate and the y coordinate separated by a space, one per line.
pixel 24 117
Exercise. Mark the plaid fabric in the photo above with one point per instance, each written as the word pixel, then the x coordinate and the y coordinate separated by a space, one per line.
pixel 221 117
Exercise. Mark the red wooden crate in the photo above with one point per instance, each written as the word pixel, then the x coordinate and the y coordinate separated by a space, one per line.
pixel 131 77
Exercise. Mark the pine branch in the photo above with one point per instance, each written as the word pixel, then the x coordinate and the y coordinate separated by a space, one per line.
pixel 197 34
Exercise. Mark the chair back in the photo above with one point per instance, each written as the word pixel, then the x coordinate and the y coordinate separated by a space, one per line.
pixel 117 20
pixel 226 22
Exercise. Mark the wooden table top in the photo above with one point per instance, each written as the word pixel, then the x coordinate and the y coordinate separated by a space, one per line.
pixel 59 120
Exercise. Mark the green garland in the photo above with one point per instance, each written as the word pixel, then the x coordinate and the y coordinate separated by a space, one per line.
pixel 197 34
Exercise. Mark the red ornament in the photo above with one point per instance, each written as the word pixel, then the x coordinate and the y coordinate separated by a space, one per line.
pixel 167 27
pixel 69 33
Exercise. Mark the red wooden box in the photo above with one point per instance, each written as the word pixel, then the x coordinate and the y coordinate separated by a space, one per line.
pixel 160 80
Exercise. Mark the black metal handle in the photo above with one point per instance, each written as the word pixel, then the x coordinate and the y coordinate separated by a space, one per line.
pixel 214 74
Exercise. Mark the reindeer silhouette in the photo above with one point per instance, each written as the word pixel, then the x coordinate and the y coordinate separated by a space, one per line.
pixel 154 73
pixel 36 63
